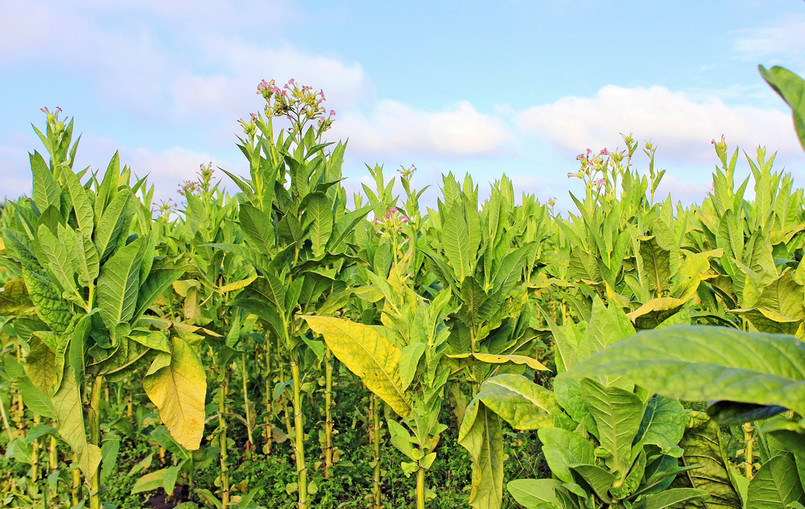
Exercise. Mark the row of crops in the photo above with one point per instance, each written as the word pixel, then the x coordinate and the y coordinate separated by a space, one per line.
pixel 293 346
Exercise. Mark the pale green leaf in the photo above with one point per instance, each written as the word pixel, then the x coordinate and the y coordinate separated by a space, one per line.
pixel 177 385
pixel 118 285
pixel 775 485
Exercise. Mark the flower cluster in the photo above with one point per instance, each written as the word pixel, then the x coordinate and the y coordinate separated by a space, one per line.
pixel 299 104
pixel 391 223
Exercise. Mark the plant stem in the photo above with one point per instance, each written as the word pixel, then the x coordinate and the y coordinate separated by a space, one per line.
pixel 246 403
pixel 222 390
pixel 328 413
pixel 95 439
pixel 420 488
pixel 748 449
pixel 268 398
pixel 299 446
pixel 35 456
pixel 75 491
pixel 375 429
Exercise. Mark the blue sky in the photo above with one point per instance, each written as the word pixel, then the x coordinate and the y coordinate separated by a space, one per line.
pixel 521 87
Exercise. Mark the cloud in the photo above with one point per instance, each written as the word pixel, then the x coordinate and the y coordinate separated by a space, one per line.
pixel 680 127
pixel 784 41
pixel 394 128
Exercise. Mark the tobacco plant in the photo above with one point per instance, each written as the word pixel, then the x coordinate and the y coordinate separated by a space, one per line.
pixel 89 265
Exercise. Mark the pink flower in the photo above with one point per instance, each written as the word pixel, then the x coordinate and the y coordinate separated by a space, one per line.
pixel 321 93
pixel 332 113
pixel 604 152
pixel 393 210
pixel 291 81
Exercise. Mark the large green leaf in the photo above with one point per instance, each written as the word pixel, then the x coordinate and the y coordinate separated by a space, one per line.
pixel 70 416
pixel 58 258
pixel 460 238
pixel 177 385
pixel 775 485
pixel 369 354
pixel 792 89
pixel 663 424
pixel 319 220
pixel 257 227
pixel 672 497
pixel 84 215
pixel 118 285
pixel 709 363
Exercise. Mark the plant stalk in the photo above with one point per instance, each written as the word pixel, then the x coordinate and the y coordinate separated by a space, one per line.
pixel 328 412
pixel 246 404
pixel 748 449
pixel 375 431
pixel 95 439
pixel 420 488
pixel 299 445
pixel 222 390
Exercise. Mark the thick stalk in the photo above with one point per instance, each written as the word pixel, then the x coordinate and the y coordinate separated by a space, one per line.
pixel 95 439
pixel 299 443
pixel 35 446
pixel 222 390
pixel 53 455
pixel 268 403
pixel 246 403
pixel 75 490
pixel 328 413
pixel 420 488
pixel 375 432
pixel 748 449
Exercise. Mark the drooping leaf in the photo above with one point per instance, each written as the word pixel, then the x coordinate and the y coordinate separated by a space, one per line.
pixel 670 498
pixel 709 363
pixel 368 354
pixel 564 449
pixel 703 449
pixel 409 360
pixel 520 402
pixel 792 89
pixel 491 358
pixel 177 385
pixel 482 436
pixel 70 416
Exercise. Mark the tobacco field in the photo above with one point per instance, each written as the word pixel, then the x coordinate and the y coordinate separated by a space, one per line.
pixel 286 345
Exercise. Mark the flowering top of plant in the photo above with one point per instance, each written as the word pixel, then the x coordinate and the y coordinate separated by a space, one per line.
pixel 299 104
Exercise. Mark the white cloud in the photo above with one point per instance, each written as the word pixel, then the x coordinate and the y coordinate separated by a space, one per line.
pixel 393 128
pixel 784 40
pixel 681 128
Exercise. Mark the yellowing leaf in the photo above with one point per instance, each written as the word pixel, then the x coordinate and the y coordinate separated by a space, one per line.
pixel 370 355
pixel 177 385
pixel 70 416
pixel 491 358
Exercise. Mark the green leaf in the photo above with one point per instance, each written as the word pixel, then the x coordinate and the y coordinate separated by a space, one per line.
pixel 520 402
pixel 617 414
pixel 37 401
pixel 84 215
pixel 59 260
pixel 672 497
pixel 663 424
pixel 563 449
pixel 161 277
pixel 110 225
pixel 703 449
pixel 460 237
pixel 318 217
pixel 150 481
pixel 257 227
pixel 536 493
pixel 177 385
pixel 46 192
pixel 70 416
pixel 709 363
pixel 370 355
pixel 118 285
pixel 792 89
pixel 482 436
pixel 775 485
pixel 409 360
